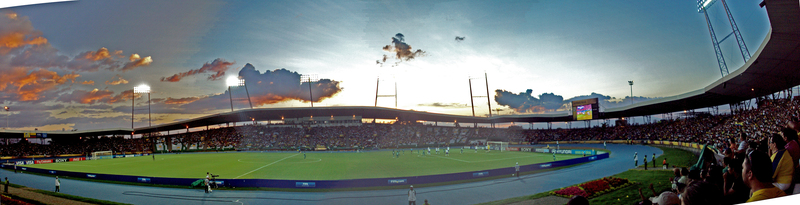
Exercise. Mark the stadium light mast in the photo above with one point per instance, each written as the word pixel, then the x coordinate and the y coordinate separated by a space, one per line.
pixel 138 90
pixel 310 78
pixel 7 114
pixel 630 82
pixel 234 81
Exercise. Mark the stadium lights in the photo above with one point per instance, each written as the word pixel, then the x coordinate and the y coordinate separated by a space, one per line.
pixel 7 114
pixel 138 90
pixel 235 81
pixel 703 4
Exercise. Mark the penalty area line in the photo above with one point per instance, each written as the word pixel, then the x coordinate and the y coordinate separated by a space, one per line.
pixel 265 166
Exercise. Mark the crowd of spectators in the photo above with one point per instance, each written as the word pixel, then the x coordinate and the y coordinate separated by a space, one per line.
pixel 82 146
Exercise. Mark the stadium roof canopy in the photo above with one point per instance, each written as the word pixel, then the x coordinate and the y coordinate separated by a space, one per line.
pixel 775 66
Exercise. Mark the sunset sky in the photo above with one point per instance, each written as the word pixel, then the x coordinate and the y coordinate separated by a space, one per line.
pixel 73 65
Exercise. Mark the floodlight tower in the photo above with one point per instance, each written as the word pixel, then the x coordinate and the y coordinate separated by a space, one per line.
pixel 7 114
pixel 235 81
pixel 139 90
pixel 701 8
pixel 630 82
pixel 310 78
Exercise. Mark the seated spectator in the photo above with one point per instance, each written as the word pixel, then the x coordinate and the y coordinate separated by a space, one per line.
pixel 735 191
pixel 757 174
pixel 701 193
pixel 781 163
pixel 790 136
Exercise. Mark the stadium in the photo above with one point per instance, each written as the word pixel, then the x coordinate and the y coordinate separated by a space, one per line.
pixel 359 154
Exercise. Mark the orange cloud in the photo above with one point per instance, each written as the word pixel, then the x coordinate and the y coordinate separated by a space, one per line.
pixel 30 86
pixel 219 66
pixel 137 61
pixel 87 82
pixel 117 82
pixel 124 96
pixel 180 100
pixel 100 54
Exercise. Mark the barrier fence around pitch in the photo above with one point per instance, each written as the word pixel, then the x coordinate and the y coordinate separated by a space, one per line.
pixel 322 184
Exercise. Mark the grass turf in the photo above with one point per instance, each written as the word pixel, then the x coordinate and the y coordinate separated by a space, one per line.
pixel 629 195
pixel 315 166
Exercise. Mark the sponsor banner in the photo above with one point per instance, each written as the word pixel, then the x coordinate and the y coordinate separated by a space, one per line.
pixel 592 158
pixel 305 184
pixel 105 157
pixel 480 174
pixel 24 168
pixel 52 172
pixel 525 149
pixel 77 159
pixel 129 155
pixel 143 180
pixel 542 150
pixel 561 151
pixel 28 162
pixel 397 181
pixel 512 148
pixel 218 182
pixel 91 175
pixel 546 165
pixel 580 152
pixel 61 160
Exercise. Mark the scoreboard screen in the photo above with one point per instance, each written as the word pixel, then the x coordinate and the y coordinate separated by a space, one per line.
pixel 587 109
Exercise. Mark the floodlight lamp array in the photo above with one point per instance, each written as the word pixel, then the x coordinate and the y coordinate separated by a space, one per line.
pixel 703 4
pixel 141 89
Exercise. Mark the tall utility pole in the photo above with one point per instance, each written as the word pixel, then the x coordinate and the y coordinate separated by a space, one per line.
pixel 140 90
pixel 630 82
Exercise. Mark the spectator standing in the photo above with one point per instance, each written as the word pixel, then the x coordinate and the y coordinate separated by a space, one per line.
pixel 6 186
pixel 664 163
pixel 58 185
pixel 653 157
pixel 636 159
pixel 757 174
pixel 516 168
pixel 412 196
pixel 645 162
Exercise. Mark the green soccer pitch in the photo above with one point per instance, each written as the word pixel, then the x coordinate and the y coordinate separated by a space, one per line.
pixel 316 165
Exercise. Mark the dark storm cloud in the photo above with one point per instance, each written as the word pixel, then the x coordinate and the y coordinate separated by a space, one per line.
pixel 270 87
pixel 402 51
pixel 525 102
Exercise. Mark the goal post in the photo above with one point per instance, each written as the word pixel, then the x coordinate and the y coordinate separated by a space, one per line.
pixel 497 145
pixel 102 155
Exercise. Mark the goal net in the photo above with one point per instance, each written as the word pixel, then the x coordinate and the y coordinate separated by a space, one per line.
pixel 496 145
pixel 102 155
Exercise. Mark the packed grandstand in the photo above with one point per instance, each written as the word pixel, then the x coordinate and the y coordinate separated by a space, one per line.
pixel 717 130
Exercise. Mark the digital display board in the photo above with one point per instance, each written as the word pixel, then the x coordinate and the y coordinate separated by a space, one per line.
pixel 587 109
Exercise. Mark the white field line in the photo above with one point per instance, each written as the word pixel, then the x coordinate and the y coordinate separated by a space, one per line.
pixel 265 166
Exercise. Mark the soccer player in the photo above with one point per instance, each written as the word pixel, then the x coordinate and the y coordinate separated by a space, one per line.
pixel 304 155
pixel 404 151
pixel 604 144
pixel 429 150
pixel 516 167
pixel 636 159
pixel 462 150
pixel 447 152
pixel 154 157
pixel 437 150
pixel 554 156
